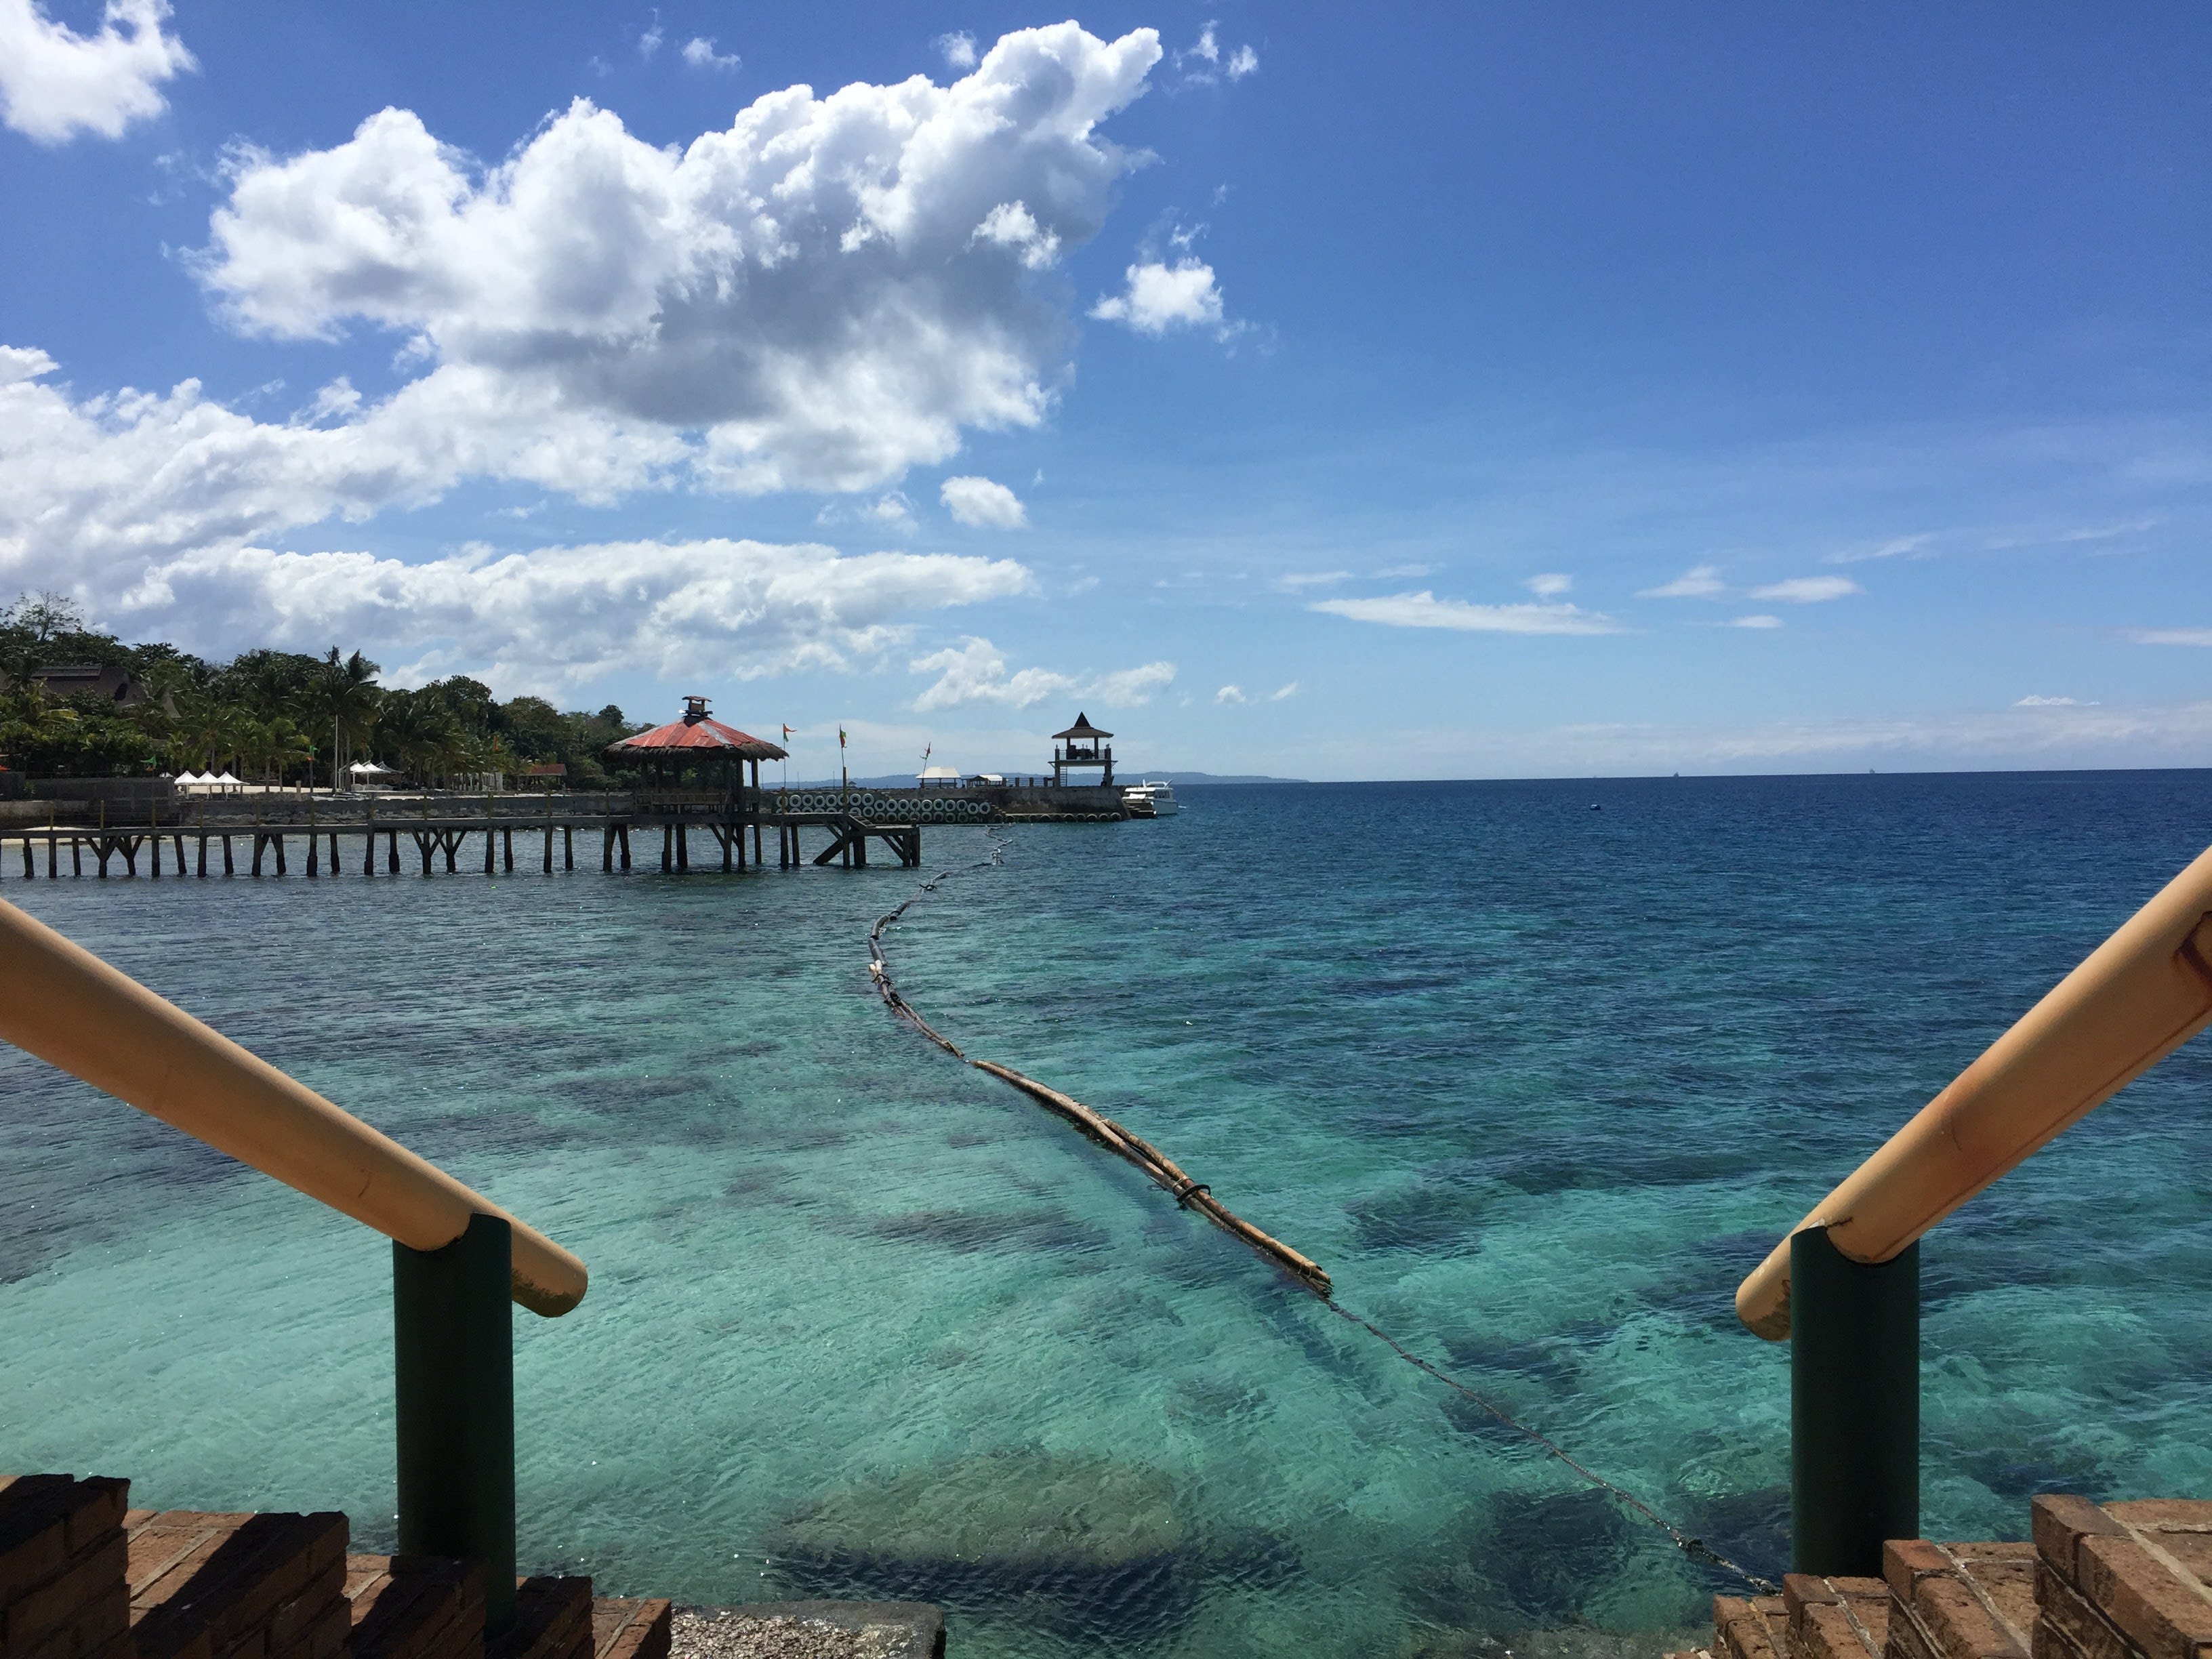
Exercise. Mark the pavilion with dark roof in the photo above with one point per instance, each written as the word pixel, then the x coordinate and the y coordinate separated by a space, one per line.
pixel 1082 746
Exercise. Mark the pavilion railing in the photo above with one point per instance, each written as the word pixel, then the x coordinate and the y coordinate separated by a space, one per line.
pixel 1844 1286
pixel 457 1258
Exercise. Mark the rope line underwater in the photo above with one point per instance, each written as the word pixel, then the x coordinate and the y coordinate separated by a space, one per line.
pixel 1191 1194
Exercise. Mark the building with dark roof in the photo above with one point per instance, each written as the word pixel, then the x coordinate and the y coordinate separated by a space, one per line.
pixel 90 679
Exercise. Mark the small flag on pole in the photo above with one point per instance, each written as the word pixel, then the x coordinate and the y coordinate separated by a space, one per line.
pixel 787 731
pixel 840 737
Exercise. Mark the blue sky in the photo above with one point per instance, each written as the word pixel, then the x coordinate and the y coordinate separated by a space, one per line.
pixel 1440 391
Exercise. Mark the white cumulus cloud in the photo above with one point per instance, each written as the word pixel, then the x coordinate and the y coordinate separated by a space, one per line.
pixel 699 52
pixel 982 504
pixel 2033 701
pixel 1701 581
pixel 1160 296
pixel 1012 225
pixel 1760 621
pixel 1126 688
pixel 56 83
pixel 1204 62
pixel 1549 585
pixel 802 300
pixel 1290 690
pixel 957 49
pixel 1426 610
pixel 1808 590
pixel 891 511
pixel 91 490
pixel 975 671
pixel 564 614
pixel 1231 693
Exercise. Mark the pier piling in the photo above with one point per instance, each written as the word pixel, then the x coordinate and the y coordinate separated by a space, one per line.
pixel 268 822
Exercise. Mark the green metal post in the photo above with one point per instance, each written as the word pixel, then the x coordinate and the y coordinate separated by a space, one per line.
pixel 1854 1406
pixel 454 1353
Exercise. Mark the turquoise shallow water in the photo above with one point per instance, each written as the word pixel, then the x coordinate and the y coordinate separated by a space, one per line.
pixel 1537 1084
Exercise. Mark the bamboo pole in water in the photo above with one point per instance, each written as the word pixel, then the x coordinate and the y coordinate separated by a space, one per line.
pixel 1161 1168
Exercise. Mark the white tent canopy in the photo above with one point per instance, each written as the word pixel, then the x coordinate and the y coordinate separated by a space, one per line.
pixel 371 769
pixel 938 774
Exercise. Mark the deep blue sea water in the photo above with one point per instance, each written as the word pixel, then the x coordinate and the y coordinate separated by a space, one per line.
pixel 1536 1084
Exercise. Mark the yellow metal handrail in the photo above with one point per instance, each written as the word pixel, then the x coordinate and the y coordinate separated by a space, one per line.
pixel 2140 995
pixel 64 1005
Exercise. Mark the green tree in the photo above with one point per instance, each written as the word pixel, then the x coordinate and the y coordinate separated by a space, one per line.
pixel 339 695
pixel 278 746
pixel 265 683
pixel 417 732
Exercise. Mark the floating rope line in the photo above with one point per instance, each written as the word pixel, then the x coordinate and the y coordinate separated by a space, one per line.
pixel 1122 1142
pixel 1196 1195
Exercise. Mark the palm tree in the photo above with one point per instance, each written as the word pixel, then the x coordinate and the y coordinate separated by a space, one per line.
pixel 278 745
pixel 340 695
pixel 206 731
pixel 418 734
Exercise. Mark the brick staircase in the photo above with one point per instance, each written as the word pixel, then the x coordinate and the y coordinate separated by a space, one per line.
pixel 2122 1580
pixel 82 1576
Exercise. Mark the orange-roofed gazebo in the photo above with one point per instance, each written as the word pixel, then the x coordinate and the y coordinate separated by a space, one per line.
pixel 715 756
pixel 695 737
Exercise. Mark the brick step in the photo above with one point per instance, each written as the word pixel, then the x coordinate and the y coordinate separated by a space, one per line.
pixel 552 1621
pixel 426 1607
pixel 209 1585
pixel 414 1606
pixel 2117 1581
pixel 62 1552
pixel 630 1630
pixel 82 1576
pixel 2123 1580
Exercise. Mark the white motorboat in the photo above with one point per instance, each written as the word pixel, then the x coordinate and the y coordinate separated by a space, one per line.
pixel 1150 799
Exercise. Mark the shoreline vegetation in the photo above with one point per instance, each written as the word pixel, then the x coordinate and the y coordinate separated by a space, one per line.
pixel 274 717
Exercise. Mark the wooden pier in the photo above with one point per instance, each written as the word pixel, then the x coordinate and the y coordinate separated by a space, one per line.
pixel 431 835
